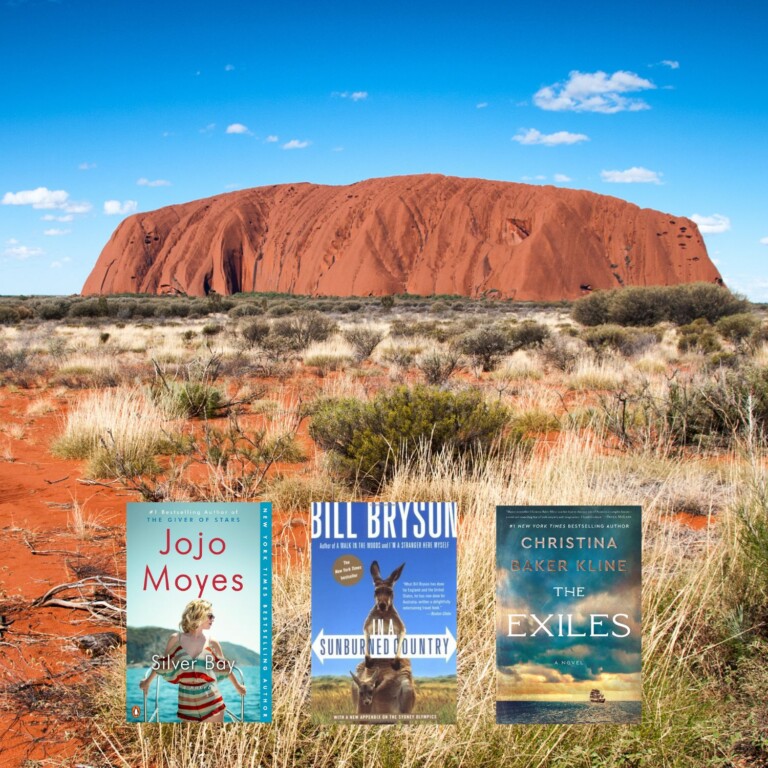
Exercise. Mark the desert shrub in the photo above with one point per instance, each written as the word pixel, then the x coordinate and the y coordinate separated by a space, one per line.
pixel 686 303
pixel 387 302
pixel 528 335
pixel 211 329
pixel 644 306
pixel 365 439
pixel 402 357
pixel 738 328
pixel 298 332
pixel 52 310
pixel 246 309
pixel 8 315
pixel 698 336
pixel 438 366
pixel 486 346
pixel 198 399
pixel 601 338
pixel 594 309
pixel 281 309
pixel 90 308
pixel 13 359
pixel 254 332
pixel 188 335
pixel 438 307
pixel 560 353
pixel 715 410
pixel 363 340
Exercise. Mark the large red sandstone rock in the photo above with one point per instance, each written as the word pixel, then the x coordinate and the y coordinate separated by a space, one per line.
pixel 407 234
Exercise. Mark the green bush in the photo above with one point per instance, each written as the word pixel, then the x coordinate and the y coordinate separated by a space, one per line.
pixel 528 335
pixel 698 336
pixel 715 410
pixel 738 328
pixel 486 346
pixel 255 332
pixel 363 340
pixel 301 330
pixel 366 439
pixel 649 305
pixel 437 366
pixel 197 399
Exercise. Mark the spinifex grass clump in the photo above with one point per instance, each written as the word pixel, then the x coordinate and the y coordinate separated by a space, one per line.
pixel 366 439
pixel 117 431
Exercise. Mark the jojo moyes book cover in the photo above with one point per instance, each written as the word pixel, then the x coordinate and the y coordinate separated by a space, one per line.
pixel 199 620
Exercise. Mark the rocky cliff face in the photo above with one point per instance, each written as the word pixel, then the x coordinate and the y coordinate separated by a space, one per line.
pixel 408 234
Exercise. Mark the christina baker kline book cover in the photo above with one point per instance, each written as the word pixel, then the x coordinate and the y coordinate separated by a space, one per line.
pixel 383 612
pixel 568 629
pixel 199 634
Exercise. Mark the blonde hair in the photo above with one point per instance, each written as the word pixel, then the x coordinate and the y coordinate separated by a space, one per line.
pixel 194 615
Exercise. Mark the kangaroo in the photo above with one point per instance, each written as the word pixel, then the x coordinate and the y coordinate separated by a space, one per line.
pixel 383 618
pixel 382 690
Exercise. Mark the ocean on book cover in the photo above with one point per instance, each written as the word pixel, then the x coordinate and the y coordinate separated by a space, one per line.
pixel 199 612
pixel 568 614
pixel 383 612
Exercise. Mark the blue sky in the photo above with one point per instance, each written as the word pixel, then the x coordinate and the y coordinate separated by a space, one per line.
pixel 114 107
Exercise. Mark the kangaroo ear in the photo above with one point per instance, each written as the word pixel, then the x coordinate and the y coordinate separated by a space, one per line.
pixel 395 575
pixel 375 572
pixel 357 682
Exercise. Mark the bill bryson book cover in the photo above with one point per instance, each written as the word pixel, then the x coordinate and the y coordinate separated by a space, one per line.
pixel 199 624
pixel 568 634
pixel 383 612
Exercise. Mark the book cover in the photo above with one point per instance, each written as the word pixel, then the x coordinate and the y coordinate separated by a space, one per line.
pixel 383 612
pixel 199 612
pixel 568 611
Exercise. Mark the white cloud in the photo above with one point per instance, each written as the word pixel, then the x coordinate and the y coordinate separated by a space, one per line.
pixel 56 232
pixel 296 144
pixel 271 139
pixel 16 250
pixel 632 175
pixel 142 182
pixel 229 68
pixel 208 128
pixel 540 177
pixel 594 92
pixel 764 241
pixel 83 207
pixel 86 166
pixel 115 207
pixel 532 136
pixel 482 105
pixel 352 95
pixel 561 178
pixel 64 219
pixel 670 63
pixel 238 128
pixel 43 198
pixel 337 149
pixel 712 225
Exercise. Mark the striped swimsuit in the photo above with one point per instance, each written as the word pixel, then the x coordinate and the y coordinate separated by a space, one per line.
pixel 199 697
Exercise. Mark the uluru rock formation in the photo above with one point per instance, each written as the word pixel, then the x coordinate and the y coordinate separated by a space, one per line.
pixel 424 235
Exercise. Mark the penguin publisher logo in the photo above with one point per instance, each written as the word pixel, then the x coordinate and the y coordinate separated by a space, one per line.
pixel 136 710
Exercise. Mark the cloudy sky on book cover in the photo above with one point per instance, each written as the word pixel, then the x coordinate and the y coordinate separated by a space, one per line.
pixel 568 612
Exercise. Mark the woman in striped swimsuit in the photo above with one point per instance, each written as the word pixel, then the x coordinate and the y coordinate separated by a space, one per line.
pixel 194 662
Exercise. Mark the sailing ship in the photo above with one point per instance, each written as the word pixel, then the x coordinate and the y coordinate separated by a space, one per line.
pixel 596 697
